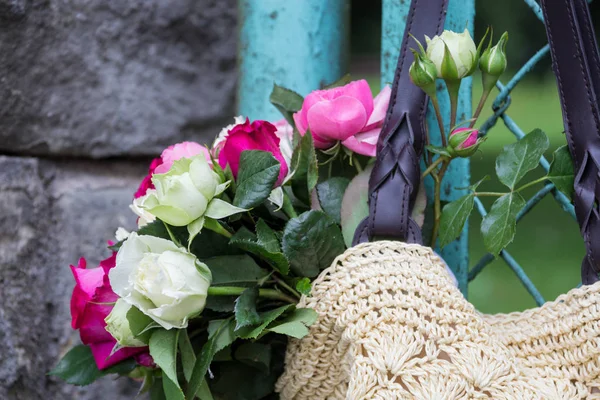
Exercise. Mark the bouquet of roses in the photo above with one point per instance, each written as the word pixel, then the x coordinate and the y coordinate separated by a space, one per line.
pixel 201 299
pixel 229 237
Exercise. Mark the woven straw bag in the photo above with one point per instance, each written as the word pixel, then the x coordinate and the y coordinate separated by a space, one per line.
pixel 393 325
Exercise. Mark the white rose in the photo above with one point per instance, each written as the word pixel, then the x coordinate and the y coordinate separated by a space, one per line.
pixel 183 193
pixel 163 281
pixel 461 47
pixel 118 325
pixel 144 217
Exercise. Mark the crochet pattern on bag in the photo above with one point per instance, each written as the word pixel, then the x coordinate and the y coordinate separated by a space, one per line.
pixel 392 325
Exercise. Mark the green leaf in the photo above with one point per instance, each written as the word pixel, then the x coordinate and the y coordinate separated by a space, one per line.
pixel 296 325
pixel 518 158
pixel 234 270
pixel 155 228
pixel 78 367
pixel 264 245
pixel 330 194
pixel 454 217
pixel 305 167
pixel 303 286
pixel 499 225
pixel 245 308
pixel 188 356
pixel 344 80
pixel 156 391
pixel 256 355
pixel 355 206
pixel 311 242
pixel 442 151
pixel 286 101
pixel 562 172
pixel 204 391
pixel 221 337
pixel 221 303
pixel 163 349
pixel 171 389
pixel 258 173
pixel 115 247
pixel 267 237
pixel 250 383
pixel 140 324
pixel 218 209
pixel 266 318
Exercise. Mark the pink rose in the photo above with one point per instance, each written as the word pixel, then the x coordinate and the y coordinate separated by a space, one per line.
pixel 180 150
pixel 258 135
pixel 90 305
pixel 147 181
pixel 342 114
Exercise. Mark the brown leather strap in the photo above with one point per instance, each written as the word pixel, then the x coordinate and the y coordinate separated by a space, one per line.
pixel 396 175
pixel 576 65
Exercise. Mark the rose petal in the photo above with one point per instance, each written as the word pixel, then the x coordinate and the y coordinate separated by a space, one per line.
pixel 179 151
pixel 381 103
pixel 337 119
pixel 361 91
pixel 101 352
pixel 364 143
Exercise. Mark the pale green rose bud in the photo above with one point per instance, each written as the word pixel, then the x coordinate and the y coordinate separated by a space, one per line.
pixel 493 61
pixel 183 193
pixel 118 325
pixel 164 281
pixel 423 73
pixel 454 54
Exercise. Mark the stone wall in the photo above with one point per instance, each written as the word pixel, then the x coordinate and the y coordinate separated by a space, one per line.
pixel 90 90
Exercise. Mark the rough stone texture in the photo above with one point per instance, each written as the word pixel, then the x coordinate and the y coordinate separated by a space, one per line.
pixel 52 213
pixel 99 78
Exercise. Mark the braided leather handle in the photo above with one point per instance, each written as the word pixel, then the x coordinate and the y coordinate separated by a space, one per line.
pixel 396 175
pixel 576 65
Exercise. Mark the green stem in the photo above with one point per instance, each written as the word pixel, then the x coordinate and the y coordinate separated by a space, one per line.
pixel 287 207
pixel 287 287
pixel 431 168
pixel 171 235
pixel 356 164
pixel 453 89
pixel 489 194
pixel 215 226
pixel 440 120
pixel 236 291
pixel 437 205
pixel 482 100
pixel 525 186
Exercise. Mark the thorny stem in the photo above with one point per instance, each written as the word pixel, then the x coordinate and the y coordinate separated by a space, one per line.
pixel 236 291
pixel 432 167
pixel 440 120
pixel 484 97
pixel 287 287
pixel 437 206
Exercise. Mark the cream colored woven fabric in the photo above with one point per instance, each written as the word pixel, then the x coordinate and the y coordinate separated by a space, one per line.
pixel 393 326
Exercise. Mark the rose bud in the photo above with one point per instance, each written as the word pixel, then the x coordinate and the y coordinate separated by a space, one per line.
pixel 493 61
pixel 423 73
pixel 464 142
pixel 118 325
pixel 454 54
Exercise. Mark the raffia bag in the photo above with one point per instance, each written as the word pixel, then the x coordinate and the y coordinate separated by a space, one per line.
pixel 393 325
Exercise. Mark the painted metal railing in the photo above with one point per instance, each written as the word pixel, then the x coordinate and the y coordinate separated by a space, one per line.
pixel 302 44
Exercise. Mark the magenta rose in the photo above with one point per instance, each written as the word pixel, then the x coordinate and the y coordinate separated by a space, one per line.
pixel 90 305
pixel 348 114
pixel 147 181
pixel 258 135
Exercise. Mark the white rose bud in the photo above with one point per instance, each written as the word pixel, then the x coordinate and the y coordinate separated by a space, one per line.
pixel 183 194
pixel 462 51
pixel 162 280
pixel 118 325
